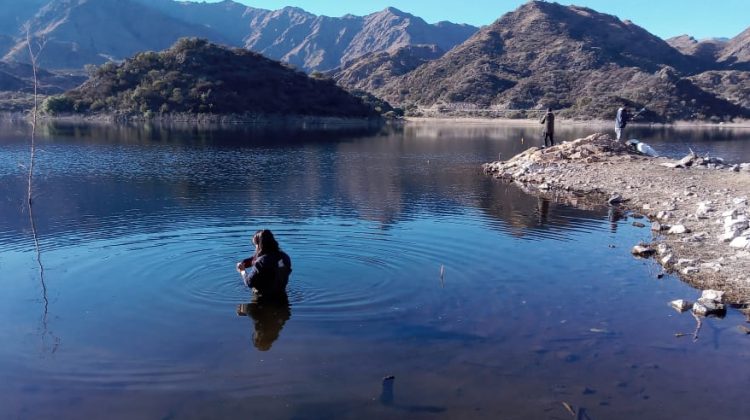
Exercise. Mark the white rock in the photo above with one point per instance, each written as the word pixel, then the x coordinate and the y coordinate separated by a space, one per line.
pixel 690 270
pixel 703 210
pixel 738 223
pixel 729 236
pixel 642 251
pixel 704 307
pixel 656 226
pixel 715 295
pixel 680 305
pixel 662 249
pixel 684 262
pixel 740 201
pixel 678 230
pixel 740 242
pixel 729 213
pixel 646 207
pixel 663 215
pixel 715 267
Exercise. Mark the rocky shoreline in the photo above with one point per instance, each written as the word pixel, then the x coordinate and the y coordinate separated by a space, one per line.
pixel 698 207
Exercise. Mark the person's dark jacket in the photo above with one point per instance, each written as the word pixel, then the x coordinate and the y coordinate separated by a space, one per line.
pixel 549 123
pixel 268 273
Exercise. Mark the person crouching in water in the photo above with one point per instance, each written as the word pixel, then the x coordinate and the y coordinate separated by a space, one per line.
pixel 267 272
pixel 549 127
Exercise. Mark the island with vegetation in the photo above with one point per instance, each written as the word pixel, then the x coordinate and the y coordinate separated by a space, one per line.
pixel 196 80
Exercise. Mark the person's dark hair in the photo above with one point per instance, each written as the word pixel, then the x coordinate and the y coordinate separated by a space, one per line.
pixel 549 109
pixel 265 242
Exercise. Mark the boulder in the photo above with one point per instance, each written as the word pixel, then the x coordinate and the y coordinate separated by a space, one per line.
pixel 707 307
pixel 643 251
pixel 680 305
pixel 678 230
pixel 740 242
pixel 714 295
pixel 614 199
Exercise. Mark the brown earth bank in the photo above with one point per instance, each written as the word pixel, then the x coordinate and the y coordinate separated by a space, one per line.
pixel 697 207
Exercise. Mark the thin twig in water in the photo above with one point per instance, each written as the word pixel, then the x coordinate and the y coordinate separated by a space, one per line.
pixel 29 197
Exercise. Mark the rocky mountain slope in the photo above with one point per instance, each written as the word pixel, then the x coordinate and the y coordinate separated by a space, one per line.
pixel 573 59
pixel 81 32
pixel 737 51
pixel 732 85
pixel 371 71
pixel 195 76
pixel 707 50
pixel 315 42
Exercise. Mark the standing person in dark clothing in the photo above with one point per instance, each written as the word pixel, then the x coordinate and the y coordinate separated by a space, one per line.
pixel 621 120
pixel 267 271
pixel 549 127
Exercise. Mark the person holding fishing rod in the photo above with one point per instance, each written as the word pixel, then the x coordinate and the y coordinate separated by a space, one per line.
pixel 548 120
pixel 623 118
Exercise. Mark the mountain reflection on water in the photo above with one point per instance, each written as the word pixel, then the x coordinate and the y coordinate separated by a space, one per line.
pixel 421 288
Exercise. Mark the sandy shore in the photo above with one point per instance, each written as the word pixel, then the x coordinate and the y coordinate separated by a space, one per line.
pixel 698 214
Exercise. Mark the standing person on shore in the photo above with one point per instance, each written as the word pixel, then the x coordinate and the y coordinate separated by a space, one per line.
pixel 621 120
pixel 549 127
pixel 267 272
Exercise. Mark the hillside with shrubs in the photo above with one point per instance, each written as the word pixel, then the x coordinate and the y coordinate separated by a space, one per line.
pixel 195 76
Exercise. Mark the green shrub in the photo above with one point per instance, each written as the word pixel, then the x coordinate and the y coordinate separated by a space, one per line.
pixel 58 105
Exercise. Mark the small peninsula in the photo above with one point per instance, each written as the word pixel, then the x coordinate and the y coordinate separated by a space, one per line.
pixel 697 206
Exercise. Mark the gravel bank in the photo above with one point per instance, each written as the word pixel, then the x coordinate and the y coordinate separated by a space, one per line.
pixel 698 210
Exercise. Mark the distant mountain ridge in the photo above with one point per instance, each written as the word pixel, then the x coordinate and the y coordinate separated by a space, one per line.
pixel 80 32
pixel 574 59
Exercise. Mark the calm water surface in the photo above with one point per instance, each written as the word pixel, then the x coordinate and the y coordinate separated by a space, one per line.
pixel 481 301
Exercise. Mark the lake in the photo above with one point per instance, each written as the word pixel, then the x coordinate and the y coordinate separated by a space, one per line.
pixel 421 288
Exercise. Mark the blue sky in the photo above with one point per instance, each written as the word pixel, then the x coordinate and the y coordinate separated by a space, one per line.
pixel 665 18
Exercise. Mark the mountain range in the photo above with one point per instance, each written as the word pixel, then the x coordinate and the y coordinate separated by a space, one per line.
pixel 573 59
pixel 580 62
pixel 80 32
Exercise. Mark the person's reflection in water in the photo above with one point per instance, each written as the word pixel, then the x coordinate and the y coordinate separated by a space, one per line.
pixel 269 316
pixel 614 215
pixel 542 205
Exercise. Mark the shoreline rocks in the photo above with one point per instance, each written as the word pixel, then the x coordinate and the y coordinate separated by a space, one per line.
pixel 697 206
